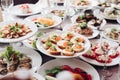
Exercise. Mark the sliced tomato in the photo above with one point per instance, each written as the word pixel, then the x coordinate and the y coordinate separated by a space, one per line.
pixel 88 56
pixel 116 55
pixel 66 67
pixel 78 70
pixel 94 48
pixel 102 61
pixel 89 77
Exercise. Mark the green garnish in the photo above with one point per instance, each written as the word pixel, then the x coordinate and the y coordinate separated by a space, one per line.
pixel 82 0
pixel 8 52
pixel 14 28
pixel 113 29
pixel 83 25
pixel 68 34
pixel 61 15
pixel 53 71
pixel 82 17
pixel 38 24
pixel 54 36
pixel 49 44
pixel 0 34
pixel 53 48
pixel 39 34
pixel 34 44
pixel 70 43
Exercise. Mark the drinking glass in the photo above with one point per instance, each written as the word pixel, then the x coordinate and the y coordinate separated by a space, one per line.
pixel 6 4
pixel 54 3
pixel 106 72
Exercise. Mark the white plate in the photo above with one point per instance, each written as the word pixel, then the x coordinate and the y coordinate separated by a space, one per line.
pixel 102 15
pixel 57 19
pixel 109 27
pixel 38 76
pixel 26 42
pixel 92 3
pixel 118 20
pixel 114 61
pixel 69 12
pixel 35 75
pixel 15 10
pixel 32 27
pixel 94 34
pixel 73 20
pixel 48 11
pixel 72 63
pixel 35 56
pixel 44 51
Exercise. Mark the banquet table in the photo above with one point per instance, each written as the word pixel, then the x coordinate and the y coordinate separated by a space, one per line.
pixel 114 69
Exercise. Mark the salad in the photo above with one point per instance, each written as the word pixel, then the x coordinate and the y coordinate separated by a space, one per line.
pixel 65 72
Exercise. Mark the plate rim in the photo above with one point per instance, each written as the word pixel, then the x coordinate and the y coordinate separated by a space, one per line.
pixel 69 61
pixel 27 23
pixel 40 48
pixel 95 31
pixel 40 15
pixel 28 45
pixel 22 14
pixel 23 51
pixel 94 62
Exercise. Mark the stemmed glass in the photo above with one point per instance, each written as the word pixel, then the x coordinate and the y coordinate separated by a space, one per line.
pixel 6 4
pixel 106 73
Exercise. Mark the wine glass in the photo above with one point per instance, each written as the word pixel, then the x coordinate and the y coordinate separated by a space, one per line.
pixel 106 73
pixel 54 3
pixel 6 4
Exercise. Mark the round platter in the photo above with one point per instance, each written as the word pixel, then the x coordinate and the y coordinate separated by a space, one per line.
pixel 72 63
pixel 41 48
pixel 28 24
pixel 15 10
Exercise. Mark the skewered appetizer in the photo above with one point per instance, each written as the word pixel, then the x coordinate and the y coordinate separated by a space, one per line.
pixel 15 30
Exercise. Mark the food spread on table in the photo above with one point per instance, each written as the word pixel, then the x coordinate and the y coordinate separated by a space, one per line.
pixel 68 42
